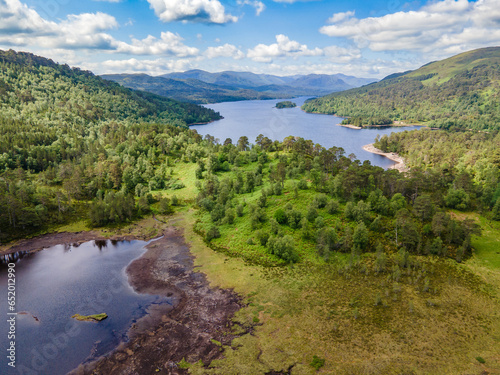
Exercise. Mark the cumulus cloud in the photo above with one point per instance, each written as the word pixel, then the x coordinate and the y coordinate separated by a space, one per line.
pixel 258 5
pixel 284 47
pixel 338 17
pixel 341 54
pixel 168 44
pixel 23 26
pixel 445 26
pixel 227 50
pixel 133 65
pixel 208 11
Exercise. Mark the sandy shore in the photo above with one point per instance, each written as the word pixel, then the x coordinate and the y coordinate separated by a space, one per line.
pixel 190 326
pixel 351 126
pixel 400 162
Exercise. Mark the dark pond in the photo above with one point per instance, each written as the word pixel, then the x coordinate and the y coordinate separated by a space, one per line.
pixel 255 117
pixel 55 283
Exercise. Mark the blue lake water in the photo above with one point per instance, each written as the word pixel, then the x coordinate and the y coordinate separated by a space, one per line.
pixel 55 283
pixel 254 117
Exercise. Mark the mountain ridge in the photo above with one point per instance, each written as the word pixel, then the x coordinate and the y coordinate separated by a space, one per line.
pixel 199 86
pixel 460 92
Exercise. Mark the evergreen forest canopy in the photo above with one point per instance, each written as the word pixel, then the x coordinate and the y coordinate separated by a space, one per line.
pixel 462 92
pixel 47 108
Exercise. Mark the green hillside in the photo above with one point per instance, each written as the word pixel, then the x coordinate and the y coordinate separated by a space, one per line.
pixel 45 107
pixel 461 92
pixel 189 90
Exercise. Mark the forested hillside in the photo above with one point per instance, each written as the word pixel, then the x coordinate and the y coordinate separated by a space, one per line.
pixel 462 92
pixel 47 108
pixel 62 122
pixel 189 90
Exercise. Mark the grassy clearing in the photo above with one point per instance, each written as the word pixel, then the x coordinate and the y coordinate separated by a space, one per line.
pixel 436 319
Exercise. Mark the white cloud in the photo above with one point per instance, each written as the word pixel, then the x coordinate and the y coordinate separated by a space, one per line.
pixel 23 26
pixel 283 48
pixel 133 65
pixel 341 54
pixel 168 44
pixel 338 17
pixel 258 5
pixel 209 11
pixel 441 27
pixel 292 1
pixel 227 50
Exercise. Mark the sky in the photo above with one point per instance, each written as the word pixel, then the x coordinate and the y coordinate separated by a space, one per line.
pixel 282 37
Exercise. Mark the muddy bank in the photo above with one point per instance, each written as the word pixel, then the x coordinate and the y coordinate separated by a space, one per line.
pixel 400 162
pixel 63 238
pixel 192 327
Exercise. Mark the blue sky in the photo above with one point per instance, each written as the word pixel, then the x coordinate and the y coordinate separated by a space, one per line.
pixel 284 37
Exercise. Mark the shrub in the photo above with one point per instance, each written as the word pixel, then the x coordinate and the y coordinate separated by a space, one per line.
pixel 280 216
pixel 212 233
pixel 317 362
pixel 320 200
pixel 332 206
pixel 302 185
pixel 283 247
pixel 262 237
pixel 312 214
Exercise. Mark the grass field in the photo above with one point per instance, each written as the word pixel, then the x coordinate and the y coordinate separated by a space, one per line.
pixel 436 319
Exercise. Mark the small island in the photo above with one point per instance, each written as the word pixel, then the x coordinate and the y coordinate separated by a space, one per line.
pixel 286 104
pixel 90 318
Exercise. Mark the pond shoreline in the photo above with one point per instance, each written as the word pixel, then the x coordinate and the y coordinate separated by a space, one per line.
pixel 400 162
pixel 190 327
pixel 190 319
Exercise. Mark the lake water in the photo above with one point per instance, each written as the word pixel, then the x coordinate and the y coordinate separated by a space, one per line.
pixel 255 117
pixel 55 283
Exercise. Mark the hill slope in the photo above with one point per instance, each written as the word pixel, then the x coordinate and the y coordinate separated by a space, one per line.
pixel 190 90
pixel 199 86
pixel 459 92
pixel 45 107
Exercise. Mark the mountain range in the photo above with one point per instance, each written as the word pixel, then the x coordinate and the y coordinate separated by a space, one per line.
pixel 461 92
pixel 199 86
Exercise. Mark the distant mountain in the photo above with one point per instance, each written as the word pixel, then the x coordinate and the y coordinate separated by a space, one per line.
pixel 461 92
pixel 190 90
pixel 199 86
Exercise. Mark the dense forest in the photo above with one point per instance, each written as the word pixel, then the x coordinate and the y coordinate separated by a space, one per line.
pixel 461 92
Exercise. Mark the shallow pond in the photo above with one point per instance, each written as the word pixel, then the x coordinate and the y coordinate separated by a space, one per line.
pixel 55 283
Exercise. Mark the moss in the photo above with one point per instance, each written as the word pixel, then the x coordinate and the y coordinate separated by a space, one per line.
pixel 90 318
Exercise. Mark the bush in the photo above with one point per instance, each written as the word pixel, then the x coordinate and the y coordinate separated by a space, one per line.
pixel 312 214
pixel 320 200
pixel 280 216
pixel 230 216
pixel 212 233
pixel 293 218
pixel 239 210
pixel 283 247
pixel 457 198
pixel 332 207
pixel 302 185
pixel 317 362
pixel 262 237
pixel 164 207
